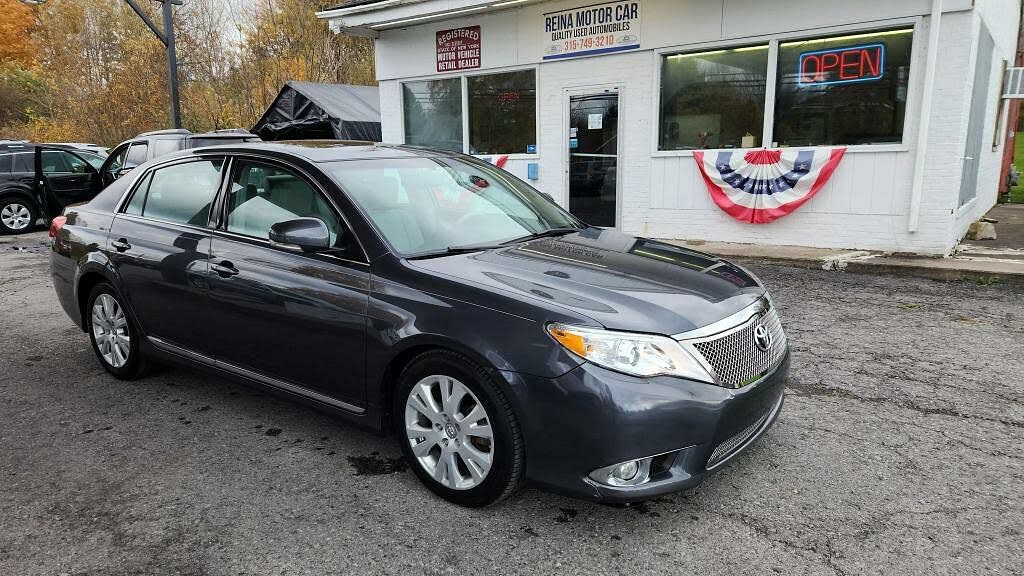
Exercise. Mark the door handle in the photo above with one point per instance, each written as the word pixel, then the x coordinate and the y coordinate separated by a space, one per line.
pixel 121 245
pixel 224 269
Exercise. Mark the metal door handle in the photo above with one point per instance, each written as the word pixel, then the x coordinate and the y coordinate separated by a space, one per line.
pixel 224 268
pixel 121 245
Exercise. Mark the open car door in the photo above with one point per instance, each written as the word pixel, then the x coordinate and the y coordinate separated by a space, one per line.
pixel 65 178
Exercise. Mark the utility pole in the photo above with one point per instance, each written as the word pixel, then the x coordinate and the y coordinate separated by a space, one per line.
pixel 167 38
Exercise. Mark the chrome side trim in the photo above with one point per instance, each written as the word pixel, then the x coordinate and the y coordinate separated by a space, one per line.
pixel 168 347
pixel 256 376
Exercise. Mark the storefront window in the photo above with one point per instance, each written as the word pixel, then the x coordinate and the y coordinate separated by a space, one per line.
pixel 502 113
pixel 713 99
pixel 433 113
pixel 843 90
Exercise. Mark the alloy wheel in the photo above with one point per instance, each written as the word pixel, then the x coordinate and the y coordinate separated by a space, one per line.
pixel 110 330
pixel 449 431
pixel 16 216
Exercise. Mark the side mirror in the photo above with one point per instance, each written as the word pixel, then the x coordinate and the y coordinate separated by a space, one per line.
pixel 306 234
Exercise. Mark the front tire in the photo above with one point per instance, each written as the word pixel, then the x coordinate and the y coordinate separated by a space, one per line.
pixel 458 431
pixel 17 215
pixel 114 334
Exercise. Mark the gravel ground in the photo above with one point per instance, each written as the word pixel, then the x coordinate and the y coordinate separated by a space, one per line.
pixel 899 451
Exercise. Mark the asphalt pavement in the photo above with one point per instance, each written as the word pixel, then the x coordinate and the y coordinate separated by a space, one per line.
pixel 899 451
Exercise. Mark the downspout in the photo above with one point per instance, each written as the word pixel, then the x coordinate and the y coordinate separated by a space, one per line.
pixel 926 116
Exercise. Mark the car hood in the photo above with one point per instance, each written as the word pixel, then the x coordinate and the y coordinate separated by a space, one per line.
pixel 621 281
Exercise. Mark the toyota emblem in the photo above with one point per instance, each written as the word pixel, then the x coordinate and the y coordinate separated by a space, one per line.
pixel 762 338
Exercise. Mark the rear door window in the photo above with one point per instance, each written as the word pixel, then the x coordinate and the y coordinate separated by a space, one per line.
pixel 165 146
pixel 23 162
pixel 180 193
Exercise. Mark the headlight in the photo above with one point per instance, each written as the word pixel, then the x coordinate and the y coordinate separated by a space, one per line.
pixel 642 355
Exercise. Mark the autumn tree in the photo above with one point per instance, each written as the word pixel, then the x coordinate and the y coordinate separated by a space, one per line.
pixel 90 70
pixel 19 83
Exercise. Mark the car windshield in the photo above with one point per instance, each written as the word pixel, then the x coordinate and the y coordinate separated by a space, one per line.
pixel 432 205
pixel 93 159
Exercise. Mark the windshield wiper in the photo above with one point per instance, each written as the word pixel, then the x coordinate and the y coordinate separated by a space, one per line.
pixel 544 234
pixel 450 251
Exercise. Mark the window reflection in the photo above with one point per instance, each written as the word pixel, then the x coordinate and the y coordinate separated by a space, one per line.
pixel 713 99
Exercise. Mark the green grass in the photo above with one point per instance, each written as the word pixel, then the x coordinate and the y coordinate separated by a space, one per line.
pixel 1017 192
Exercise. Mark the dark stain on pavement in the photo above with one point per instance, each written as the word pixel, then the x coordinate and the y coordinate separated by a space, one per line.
pixel 376 465
pixel 567 514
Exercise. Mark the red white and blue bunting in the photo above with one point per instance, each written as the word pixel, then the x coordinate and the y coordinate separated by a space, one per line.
pixel 499 160
pixel 759 186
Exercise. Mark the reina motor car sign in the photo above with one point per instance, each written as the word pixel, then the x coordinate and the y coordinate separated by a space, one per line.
pixel 458 49
pixel 589 30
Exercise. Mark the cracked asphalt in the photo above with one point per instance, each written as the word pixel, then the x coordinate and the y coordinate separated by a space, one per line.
pixel 899 451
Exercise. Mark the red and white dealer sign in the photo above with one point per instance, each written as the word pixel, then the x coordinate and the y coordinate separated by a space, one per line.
pixel 458 49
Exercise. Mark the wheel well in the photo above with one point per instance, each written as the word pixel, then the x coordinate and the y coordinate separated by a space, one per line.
pixel 389 380
pixel 20 193
pixel 85 286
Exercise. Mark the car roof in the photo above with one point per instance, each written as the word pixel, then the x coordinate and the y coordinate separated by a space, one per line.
pixel 31 146
pixel 330 150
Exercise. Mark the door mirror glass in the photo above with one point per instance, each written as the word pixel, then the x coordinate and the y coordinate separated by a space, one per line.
pixel 306 234
pixel 128 167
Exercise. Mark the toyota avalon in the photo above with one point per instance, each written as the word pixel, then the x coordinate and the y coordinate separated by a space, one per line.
pixel 434 297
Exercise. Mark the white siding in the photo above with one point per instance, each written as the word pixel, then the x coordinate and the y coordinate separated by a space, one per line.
pixel 1001 18
pixel 866 203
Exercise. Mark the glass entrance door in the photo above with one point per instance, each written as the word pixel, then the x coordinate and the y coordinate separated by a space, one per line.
pixel 593 157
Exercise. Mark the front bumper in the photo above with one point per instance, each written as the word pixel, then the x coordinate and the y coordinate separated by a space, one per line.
pixel 591 417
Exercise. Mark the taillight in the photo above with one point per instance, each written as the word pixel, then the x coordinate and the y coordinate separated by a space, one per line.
pixel 56 224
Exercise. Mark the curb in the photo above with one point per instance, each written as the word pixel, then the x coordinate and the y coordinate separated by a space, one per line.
pixel 942 269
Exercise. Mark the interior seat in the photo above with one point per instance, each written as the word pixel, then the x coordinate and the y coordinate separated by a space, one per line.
pixel 396 218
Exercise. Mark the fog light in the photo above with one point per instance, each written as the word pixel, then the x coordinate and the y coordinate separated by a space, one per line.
pixel 629 473
pixel 626 471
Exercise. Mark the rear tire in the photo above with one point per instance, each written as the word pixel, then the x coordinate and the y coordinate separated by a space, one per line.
pixel 114 333
pixel 457 429
pixel 17 215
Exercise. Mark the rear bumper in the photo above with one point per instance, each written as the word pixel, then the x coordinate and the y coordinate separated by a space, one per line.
pixel 65 277
pixel 590 418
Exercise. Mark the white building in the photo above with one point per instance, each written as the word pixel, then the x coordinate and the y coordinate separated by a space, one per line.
pixel 602 104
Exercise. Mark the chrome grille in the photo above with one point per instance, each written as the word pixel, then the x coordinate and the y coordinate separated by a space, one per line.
pixel 735 358
pixel 734 441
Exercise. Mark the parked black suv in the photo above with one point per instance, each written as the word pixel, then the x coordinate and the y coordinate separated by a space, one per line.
pixel 39 180
pixel 149 145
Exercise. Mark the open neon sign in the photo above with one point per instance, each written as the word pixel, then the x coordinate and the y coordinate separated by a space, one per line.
pixel 842 65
